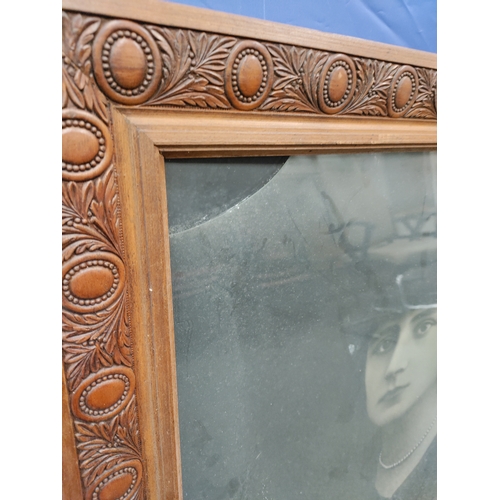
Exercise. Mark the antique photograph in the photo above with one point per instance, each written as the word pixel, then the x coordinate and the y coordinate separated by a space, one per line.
pixel 304 292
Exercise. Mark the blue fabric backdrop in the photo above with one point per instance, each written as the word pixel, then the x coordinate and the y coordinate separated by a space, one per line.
pixel 408 23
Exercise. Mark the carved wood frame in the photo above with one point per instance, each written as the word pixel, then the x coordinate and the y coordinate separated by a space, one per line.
pixel 141 83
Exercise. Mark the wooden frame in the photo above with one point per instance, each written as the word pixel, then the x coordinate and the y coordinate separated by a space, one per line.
pixel 141 83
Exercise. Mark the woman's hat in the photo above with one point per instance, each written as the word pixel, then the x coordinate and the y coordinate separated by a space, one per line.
pixel 395 277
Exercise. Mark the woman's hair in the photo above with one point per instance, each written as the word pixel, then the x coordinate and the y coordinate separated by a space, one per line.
pixel 395 278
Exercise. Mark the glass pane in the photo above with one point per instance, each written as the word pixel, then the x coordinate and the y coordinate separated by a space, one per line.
pixel 202 189
pixel 305 322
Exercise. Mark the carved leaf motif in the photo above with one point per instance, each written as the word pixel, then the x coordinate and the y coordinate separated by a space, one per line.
pixel 79 243
pixel 95 101
pixel 424 105
pixel 174 48
pixel 78 238
pixel 81 228
pixel 84 94
pixel 83 49
pixel 78 87
pixel 295 88
pixel 78 33
pixel 104 207
pixel 71 90
pixel 373 82
pixel 210 54
pixel 95 340
pixel 64 92
pixel 103 445
pixel 82 360
pixel 78 197
pixel 128 430
pixel 312 68
pixel 285 66
pixel 194 66
pixel 80 328
pixel 71 27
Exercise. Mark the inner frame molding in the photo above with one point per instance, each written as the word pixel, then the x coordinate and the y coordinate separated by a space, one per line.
pixel 134 92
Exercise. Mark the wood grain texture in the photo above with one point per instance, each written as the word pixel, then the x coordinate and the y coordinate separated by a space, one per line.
pixel 132 93
pixel 185 131
pixel 142 182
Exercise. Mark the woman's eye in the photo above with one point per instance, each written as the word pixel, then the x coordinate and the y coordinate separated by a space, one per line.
pixel 423 327
pixel 385 340
pixel 383 346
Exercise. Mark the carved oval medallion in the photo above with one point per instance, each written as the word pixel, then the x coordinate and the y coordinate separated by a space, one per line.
pixel 402 92
pixel 248 75
pixel 337 83
pixel 127 62
pixel 79 145
pixel 86 146
pixel 92 281
pixel 121 482
pixel 104 394
pixel 117 486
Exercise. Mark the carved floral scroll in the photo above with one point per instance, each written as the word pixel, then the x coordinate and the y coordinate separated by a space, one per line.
pixel 116 61
pixel 97 352
pixel 134 63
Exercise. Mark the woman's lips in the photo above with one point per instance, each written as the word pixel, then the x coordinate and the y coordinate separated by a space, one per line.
pixel 393 394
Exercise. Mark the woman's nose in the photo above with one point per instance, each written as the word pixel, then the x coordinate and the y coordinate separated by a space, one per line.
pixel 399 358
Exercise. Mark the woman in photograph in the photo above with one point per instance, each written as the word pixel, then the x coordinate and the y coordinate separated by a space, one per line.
pixel 401 390
pixel 401 381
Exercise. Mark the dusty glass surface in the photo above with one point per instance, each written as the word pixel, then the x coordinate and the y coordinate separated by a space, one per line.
pixel 305 322
pixel 200 189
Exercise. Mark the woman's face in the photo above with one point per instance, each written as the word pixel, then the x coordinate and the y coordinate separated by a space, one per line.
pixel 400 364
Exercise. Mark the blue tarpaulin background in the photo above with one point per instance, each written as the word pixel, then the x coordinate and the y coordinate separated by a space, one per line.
pixel 408 23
